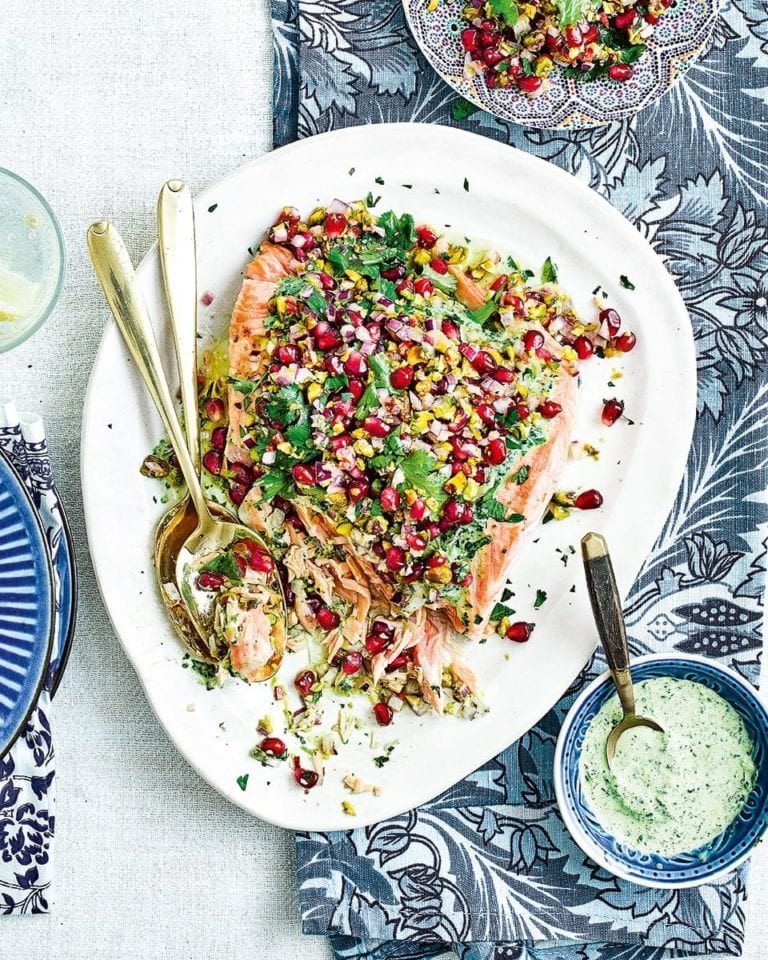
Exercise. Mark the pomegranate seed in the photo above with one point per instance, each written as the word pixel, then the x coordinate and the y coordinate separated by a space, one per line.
pixel 470 40
pixel 549 409
pixel 439 265
pixel 450 329
pixel 496 451
pixel 340 441
pixel 335 224
pixel 395 559
pixel 382 629
pixel 612 410
pixel 504 375
pixel 240 561
pixel 523 411
pixel 591 34
pixel 424 286
pixel 262 562
pixel 573 36
pixel 274 747
pixel 469 515
pixel 453 511
pixel 288 353
pixel 375 427
pixel 458 450
pixel 583 347
pixel 486 413
pixel 238 493
pixel 426 238
pixel 302 474
pixel 483 362
pixel 400 661
pixel 620 71
pixel 499 282
pixel 219 438
pixel 529 84
pixel 326 281
pixel 243 474
pixel 649 18
pixel 375 643
pixel 433 530
pixel 325 339
pixel 479 475
pixel 213 462
pixel 401 378
pixel 492 56
pixel 418 509
pixel 358 489
pixel 327 618
pixel 352 662
pixel 405 286
pixel 519 632
pixel 214 409
pixel 533 340
pixel 415 542
pixel 395 272
pixel 356 365
pixel 510 300
pixel 304 778
pixel 626 342
pixel 305 681
pixel 612 321
pixel 383 713
pixel 624 20
pixel 588 500
pixel 390 499
pixel 209 581
pixel 357 389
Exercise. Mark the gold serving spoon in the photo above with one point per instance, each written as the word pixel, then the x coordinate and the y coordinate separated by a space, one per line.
pixel 210 535
pixel 606 606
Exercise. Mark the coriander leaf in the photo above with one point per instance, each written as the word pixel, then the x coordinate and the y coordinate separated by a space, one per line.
pixel 506 9
pixel 339 260
pixel 421 471
pixel 286 405
pixel 380 367
pixel 369 401
pixel 274 483
pixel 242 781
pixel 571 11
pixel 461 109
pixel 380 761
pixel 393 443
pixel 336 382
pixel 225 565
pixel 490 508
pixel 541 596
pixel 485 312
pixel 549 271
pixel 633 52
pixel 500 611
pixel 512 264
pixel 626 282
pixel 300 432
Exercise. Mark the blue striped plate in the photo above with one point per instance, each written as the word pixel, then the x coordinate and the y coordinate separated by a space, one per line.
pixel 26 606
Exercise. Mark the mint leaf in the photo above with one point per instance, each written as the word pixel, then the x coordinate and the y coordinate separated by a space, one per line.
pixel 521 476
pixel 500 611
pixel 507 10
pixel 225 565
pixel 242 781
pixel 541 596
pixel 549 271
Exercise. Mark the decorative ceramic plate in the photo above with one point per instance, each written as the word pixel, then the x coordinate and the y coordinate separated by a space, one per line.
pixel 65 571
pixel 710 862
pixel 26 605
pixel 490 192
pixel 681 34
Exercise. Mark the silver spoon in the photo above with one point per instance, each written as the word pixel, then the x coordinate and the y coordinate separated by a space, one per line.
pixel 606 606
pixel 211 536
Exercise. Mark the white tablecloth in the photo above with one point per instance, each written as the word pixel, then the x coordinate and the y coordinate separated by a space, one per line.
pixel 99 104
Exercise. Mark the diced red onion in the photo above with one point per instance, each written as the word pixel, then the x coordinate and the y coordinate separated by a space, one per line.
pixel 339 206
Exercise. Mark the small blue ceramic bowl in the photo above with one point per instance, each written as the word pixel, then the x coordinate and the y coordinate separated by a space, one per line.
pixel 710 862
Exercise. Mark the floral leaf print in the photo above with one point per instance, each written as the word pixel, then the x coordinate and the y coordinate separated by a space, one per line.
pixel 708 560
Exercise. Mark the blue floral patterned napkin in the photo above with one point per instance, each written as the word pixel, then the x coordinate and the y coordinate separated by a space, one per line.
pixel 27 772
pixel 488 871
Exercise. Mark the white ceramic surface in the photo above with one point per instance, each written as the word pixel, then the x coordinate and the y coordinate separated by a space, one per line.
pixel 508 196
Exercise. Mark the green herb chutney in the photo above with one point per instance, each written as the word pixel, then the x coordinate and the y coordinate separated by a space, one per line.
pixel 670 792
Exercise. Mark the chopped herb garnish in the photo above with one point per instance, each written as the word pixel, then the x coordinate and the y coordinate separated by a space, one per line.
pixel 549 271
pixel 461 109
pixel 541 596
pixel 466 184
pixel 500 611
pixel 212 207
pixel 626 282
pixel 242 781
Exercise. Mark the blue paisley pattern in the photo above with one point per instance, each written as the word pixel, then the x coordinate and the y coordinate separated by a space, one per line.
pixel 488 871
pixel 27 773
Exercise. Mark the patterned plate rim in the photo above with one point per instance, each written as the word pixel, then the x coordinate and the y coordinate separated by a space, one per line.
pixel 60 664
pixel 593 849
pixel 40 680
pixel 678 61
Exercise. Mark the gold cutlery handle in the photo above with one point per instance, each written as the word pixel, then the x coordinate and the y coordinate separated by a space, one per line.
pixel 176 240
pixel 117 277
pixel 606 606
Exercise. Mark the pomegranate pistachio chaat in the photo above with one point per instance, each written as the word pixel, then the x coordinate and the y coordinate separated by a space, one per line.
pixel 390 415
pixel 516 44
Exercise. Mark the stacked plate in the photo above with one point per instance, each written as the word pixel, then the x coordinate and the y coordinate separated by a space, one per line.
pixel 37 599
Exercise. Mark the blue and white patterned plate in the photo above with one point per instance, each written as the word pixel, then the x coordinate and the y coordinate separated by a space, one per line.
pixel 66 600
pixel 27 615
pixel 708 863
pixel 681 35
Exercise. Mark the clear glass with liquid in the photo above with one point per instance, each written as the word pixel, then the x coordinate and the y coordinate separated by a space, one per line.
pixel 31 260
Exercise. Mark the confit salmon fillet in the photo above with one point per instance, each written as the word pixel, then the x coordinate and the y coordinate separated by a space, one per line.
pixel 390 432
